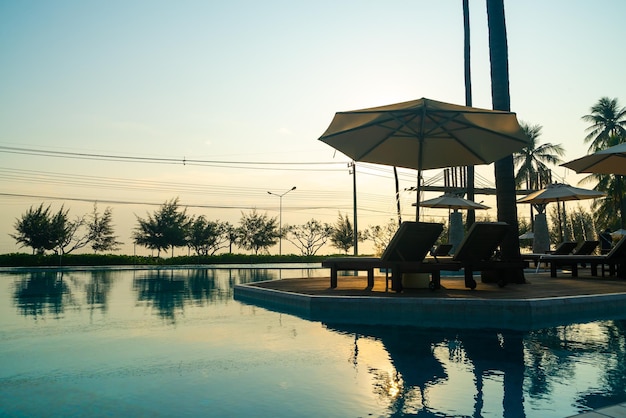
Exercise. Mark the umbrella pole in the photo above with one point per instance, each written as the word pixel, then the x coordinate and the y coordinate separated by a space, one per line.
pixel 417 200
pixel 420 160
pixel 558 212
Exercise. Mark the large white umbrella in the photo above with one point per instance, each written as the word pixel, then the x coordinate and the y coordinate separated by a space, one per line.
pixel 608 161
pixel 559 192
pixel 425 134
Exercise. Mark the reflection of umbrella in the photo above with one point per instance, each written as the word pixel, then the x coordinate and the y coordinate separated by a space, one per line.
pixel 558 192
pixel 527 235
pixel 608 161
pixel 425 134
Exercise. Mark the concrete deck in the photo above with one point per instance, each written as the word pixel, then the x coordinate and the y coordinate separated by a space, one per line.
pixel 541 302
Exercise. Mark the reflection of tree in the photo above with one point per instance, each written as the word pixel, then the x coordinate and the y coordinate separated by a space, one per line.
pixel 254 275
pixel 613 386
pixel 169 290
pixel 165 290
pixel 545 357
pixel 97 290
pixel 41 293
pixel 411 352
pixel 498 351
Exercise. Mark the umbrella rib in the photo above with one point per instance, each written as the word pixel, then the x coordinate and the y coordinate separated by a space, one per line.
pixel 392 131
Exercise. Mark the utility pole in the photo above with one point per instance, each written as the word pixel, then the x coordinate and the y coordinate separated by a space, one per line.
pixel 280 219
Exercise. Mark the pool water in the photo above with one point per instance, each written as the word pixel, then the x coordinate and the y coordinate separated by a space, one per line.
pixel 174 342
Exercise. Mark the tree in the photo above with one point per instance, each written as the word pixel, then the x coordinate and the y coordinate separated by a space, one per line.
pixel 608 122
pixel 532 161
pixel 257 232
pixel 608 128
pixel 342 236
pixel 231 234
pixel 68 235
pixel 504 168
pixel 101 231
pixel 381 235
pixel 147 234
pixel 33 230
pixel 310 237
pixel 167 228
pixel 471 172
pixel 206 237
pixel 42 231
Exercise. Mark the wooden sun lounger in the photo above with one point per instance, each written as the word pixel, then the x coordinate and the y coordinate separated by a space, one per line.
pixel 405 253
pixel 477 251
pixel 564 248
pixel 586 248
pixel 615 260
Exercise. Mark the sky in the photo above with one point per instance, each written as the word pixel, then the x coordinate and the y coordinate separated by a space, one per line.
pixel 133 103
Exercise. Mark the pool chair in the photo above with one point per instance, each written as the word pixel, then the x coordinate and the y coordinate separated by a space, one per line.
pixel 479 252
pixel 614 262
pixel 586 248
pixel 566 247
pixel 405 253
pixel 441 250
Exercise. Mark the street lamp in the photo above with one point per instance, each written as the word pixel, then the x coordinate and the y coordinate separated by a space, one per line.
pixel 280 219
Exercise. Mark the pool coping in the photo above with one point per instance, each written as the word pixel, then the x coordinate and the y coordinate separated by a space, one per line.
pixel 464 313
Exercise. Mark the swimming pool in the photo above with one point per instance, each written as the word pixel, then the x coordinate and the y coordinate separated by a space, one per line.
pixel 174 342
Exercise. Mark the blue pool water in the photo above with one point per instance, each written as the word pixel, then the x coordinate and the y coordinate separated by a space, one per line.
pixel 174 342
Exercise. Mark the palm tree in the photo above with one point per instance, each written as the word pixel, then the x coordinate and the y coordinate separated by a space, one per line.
pixel 471 174
pixel 532 160
pixel 608 128
pixel 607 120
pixel 501 99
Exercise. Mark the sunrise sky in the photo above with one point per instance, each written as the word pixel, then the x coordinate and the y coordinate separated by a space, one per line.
pixel 132 103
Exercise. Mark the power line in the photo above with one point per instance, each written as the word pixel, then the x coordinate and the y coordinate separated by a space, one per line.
pixel 162 160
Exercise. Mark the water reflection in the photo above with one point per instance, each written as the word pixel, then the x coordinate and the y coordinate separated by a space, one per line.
pixel 51 293
pixel 168 291
pixel 527 365
pixel 41 293
pixel 612 387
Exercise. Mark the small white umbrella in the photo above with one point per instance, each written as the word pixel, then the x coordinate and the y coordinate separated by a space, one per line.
pixel 559 192
pixel 527 235
pixel 451 201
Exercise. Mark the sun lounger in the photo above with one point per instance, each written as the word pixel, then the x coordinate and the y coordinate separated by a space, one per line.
pixel 566 247
pixel 441 250
pixel 478 251
pixel 586 248
pixel 615 261
pixel 405 253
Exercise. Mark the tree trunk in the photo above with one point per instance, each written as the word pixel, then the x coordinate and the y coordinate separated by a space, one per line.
pixel 504 168
pixel 471 213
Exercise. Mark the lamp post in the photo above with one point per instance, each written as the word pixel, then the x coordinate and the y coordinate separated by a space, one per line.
pixel 280 219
